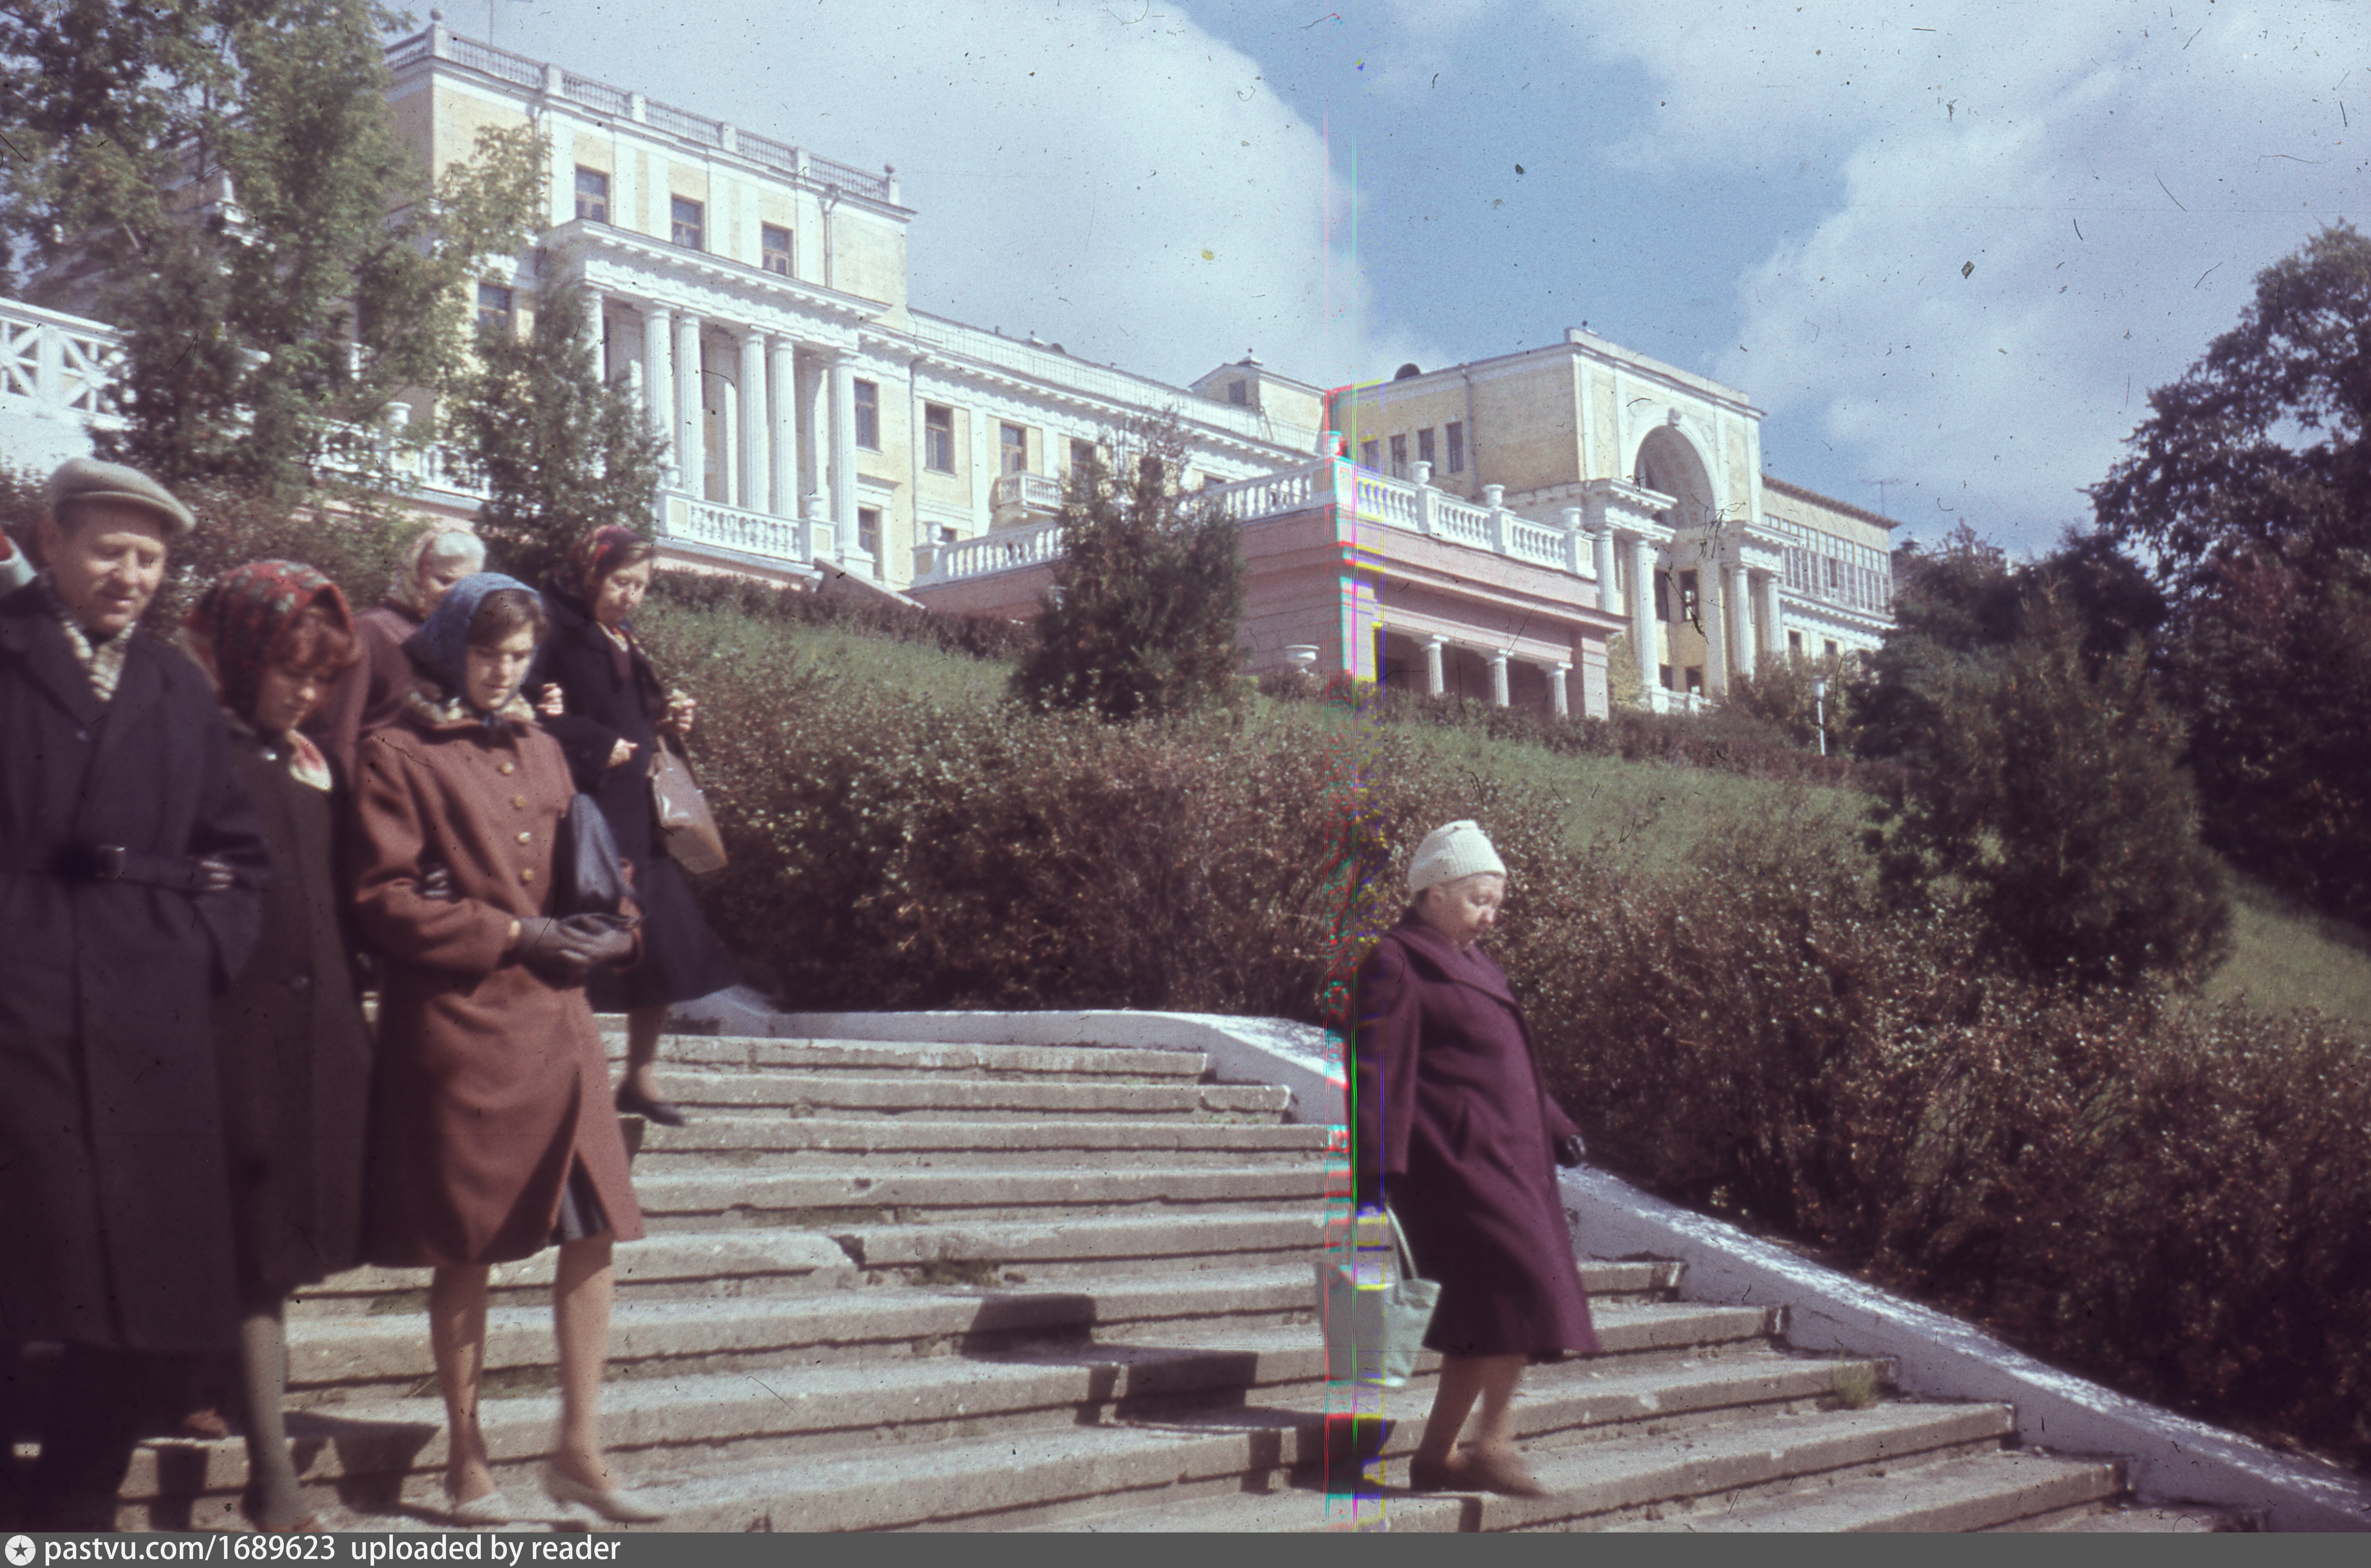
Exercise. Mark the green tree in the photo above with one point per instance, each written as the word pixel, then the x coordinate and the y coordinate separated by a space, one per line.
pixel 561 450
pixel 222 180
pixel 1148 594
pixel 2046 791
pixel 2247 490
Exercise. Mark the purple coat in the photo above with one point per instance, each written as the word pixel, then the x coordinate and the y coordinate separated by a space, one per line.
pixel 1451 1114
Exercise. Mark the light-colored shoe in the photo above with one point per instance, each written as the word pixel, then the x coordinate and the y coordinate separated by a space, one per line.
pixel 613 1504
pixel 494 1508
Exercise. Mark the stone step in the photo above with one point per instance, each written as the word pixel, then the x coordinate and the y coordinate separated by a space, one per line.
pixel 756 1054
pixel 1596 1484
pixel 372 1453
pixel 920 1096
pixel 723 1140
pixel 2128 1518
pixel 1979 1493
pixel 348 1356
pixel 681 1197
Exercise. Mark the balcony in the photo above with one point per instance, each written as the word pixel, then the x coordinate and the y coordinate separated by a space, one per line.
pixel 53 365
pixel 1019 498
pixel 788 544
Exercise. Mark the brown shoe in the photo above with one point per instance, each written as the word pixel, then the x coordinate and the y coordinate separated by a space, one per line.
pixel 1451 1474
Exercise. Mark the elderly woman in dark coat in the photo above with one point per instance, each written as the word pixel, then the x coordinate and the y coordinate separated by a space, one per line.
pixel 368 696
pixel 290 1043
pixel 613 712
pixel 492 1136
pixel 1457 1134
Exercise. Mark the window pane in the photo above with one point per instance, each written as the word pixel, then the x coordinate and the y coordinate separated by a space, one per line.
pixel 1456 447
pixel 868 529
pixel 593 195
pixel 1423 446
pixel 776 244
pixel 868 415
pixel 494 306
pixel 1371 454
pixel 1082 453
pixel 939 437
pixel 690 232
pixel 1399 456
pixel 1238 393
pixel 1014 442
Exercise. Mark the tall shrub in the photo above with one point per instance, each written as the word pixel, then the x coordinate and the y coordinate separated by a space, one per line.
pixel 1143 616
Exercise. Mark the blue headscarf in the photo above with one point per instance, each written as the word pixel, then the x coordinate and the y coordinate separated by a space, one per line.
pixel 441 646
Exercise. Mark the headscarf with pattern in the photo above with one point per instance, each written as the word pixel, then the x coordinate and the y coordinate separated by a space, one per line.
pixel 595 555
pixel 441 646
pixel 239 624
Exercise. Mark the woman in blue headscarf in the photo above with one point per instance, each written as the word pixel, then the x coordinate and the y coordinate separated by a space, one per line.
pixel 492 1136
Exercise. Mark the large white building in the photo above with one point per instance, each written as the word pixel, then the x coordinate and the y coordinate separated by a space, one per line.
pixel 752 292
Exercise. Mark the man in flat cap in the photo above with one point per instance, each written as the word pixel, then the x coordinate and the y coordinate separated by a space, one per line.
pixel 130 875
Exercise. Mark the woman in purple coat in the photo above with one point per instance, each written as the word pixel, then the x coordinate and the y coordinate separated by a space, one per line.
pixel 1456 1131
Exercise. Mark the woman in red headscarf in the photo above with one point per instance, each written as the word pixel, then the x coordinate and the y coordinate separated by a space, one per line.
pixel 293 1052
pixel 613 712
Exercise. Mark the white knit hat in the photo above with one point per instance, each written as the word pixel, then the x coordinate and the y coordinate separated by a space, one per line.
pixel 1458 849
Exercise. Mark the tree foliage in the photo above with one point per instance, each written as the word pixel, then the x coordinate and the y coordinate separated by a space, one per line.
pixel 1148 594
pixel 2046 793
pixel 561 450
pixel 222 182
pixel 2247 490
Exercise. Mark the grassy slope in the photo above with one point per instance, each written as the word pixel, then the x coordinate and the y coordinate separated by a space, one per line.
pixel 1642 813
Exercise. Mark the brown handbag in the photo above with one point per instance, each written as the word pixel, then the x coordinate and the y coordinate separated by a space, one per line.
pixel 686 823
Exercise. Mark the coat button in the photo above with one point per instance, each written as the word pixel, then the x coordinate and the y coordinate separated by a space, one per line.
pixel 508 768
pixel 519 801
pixel 527 875
pixel 527 838
pixel 300 983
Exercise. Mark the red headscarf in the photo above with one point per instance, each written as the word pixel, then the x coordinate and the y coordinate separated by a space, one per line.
pixel 596 555
pixel 238 624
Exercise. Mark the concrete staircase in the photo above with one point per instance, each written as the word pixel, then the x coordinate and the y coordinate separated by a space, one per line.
pixel 998 1287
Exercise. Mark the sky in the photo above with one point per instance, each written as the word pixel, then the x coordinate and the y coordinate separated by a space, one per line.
pixel 1947 248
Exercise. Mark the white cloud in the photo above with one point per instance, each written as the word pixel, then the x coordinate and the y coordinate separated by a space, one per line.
pixel 2056 149
pixel 1070 164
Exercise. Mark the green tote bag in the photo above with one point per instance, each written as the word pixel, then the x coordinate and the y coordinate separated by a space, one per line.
pixel 1375 1332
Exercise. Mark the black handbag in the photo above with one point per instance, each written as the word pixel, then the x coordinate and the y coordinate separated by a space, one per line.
pixel 590 876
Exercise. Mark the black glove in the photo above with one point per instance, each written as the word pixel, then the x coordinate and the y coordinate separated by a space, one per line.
pixel 551 952
pixel 602 938
pixel 1570 1151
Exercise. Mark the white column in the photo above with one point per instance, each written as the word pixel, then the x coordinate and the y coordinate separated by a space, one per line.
pixel 1436 682
pixel 690 432
pixel 757 465
pixel 1643 641
pixel 843 453
pixel 1498 697
pixel 1557 696
pixel 814 454
pixel 983 468
pixel 1609 598
pixel 1774 637
pixel 658 385
pixel 1740 626
pixel 1711 609
pixel 781 406
pixel 596 317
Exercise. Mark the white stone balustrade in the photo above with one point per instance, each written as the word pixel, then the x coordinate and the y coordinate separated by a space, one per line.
pixel 690 521
pixel 58 366
pixel 1016 496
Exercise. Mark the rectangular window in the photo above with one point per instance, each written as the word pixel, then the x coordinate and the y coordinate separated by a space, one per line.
pixel 1371 454
pixel 494 313
pixel 1831 646
pixel 690 225
pixel 1662 599
pixel 1082 454
pixel 1399 456
pixel 593 195
pixel 1695 681
pixel 1835 572
pixel 939 437
pixel 1239 393
pixel 1013 446
pixel 868 415
pixel 868 530
pixel 1456 447
pixel 1663 676
pixel 1795 643
pixel 948 535
pixel 1424 446
pixel 1688 606
pixel 774 248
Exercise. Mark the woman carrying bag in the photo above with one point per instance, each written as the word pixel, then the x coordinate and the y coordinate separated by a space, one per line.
pixel 293 1052
pixel 1457 1135
pixel 491 1136
pixel 614 717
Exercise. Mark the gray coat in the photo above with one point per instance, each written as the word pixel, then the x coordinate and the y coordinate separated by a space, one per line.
pixel 115 1208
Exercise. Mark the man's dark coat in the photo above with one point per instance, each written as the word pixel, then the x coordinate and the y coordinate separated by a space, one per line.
pixel 114 1207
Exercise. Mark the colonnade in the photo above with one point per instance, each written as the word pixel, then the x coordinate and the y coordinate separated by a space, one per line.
pixel 787 389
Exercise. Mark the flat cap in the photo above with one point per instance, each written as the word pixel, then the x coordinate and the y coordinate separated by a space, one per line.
pixel 87 479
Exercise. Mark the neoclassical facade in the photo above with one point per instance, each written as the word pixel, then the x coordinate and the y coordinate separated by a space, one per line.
pixel 1547 528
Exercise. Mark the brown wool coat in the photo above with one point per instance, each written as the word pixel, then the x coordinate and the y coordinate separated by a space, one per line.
pixel 489 1079
pixel 1454 1126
